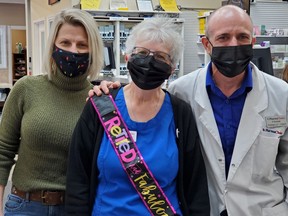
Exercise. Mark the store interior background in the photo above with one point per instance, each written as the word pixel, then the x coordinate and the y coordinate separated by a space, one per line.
pixel 34 18
pixel 28 21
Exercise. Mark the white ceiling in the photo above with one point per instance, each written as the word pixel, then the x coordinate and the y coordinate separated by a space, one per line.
pixel 13 1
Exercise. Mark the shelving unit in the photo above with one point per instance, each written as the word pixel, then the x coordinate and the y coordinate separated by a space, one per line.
pixel 204 58
pixel 19 66
pixel 3 95
pixel 279 50
pixel 115 27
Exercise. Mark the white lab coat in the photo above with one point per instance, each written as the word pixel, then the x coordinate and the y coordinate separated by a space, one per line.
pixel 258 173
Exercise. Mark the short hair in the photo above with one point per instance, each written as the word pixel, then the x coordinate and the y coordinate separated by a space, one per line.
pixel 76 17
pixel 226 7
pixel 159 29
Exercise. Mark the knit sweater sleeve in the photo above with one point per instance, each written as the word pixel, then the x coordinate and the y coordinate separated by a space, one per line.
pixel 10 126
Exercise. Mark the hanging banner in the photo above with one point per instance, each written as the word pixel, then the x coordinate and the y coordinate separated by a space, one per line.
pixel 118 5
pixel 169 5
pixel 90 4
pixel 144 5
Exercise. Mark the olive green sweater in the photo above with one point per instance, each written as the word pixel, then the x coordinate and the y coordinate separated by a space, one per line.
pixel 38 120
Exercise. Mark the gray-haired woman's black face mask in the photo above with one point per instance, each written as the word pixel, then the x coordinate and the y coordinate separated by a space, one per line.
pixel 232 60
pixel 148 73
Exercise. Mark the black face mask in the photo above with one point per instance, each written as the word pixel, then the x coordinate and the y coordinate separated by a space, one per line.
pixel 71 64
pixel 232 60
pixel 148 73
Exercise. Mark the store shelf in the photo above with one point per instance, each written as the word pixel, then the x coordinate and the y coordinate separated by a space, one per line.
pixel 275 40
pixel 115 27
pixel 19 66
pixel 279 51
pixel 3 95
pixel 204 58
pixel 131 13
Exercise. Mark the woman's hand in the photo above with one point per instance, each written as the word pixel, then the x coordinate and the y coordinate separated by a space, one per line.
pixel 103 87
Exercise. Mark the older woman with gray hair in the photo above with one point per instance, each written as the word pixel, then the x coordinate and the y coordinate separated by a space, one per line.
pixel 137 151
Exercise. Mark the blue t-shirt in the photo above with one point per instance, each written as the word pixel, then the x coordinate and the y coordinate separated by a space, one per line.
pixel 156 140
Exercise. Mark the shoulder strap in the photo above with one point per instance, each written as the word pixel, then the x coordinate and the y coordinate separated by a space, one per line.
pixel 131 159
pixel 114 92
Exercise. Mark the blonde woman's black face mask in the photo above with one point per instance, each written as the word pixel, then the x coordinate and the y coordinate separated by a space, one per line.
pixel 148 73
pixel 71 64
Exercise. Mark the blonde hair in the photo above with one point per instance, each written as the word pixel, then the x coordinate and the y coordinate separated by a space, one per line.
pixel 285 73
pixel 76 17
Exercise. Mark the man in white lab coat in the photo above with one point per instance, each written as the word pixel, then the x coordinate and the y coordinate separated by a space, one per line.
pixel 241 116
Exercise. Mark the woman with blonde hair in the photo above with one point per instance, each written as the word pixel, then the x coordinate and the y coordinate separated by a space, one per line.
pixel 40 114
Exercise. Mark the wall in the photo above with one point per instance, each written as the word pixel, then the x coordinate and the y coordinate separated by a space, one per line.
pixel 10 15
pixel 270 14
pixel 41 9
pixel 18 36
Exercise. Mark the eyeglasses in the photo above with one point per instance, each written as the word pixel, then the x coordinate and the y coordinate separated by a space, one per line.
pixel 158 55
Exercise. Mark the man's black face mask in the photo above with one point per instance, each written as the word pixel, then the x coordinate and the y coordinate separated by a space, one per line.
pixel 231 60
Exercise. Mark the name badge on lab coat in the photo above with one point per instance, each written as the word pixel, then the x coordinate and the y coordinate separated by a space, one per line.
pixel 275 121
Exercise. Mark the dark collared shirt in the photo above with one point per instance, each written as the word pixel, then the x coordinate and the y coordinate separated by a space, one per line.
pixel 227 111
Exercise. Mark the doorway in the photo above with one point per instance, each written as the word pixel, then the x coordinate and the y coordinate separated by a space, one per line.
pixel 16 34
pixel 38 47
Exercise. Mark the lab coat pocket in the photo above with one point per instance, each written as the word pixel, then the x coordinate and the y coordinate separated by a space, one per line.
pixel 278 210
pixel 265 151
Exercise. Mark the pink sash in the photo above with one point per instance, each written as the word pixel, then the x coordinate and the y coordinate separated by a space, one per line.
pixel 131 159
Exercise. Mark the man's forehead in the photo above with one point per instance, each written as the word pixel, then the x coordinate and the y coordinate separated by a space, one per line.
pixel 230 26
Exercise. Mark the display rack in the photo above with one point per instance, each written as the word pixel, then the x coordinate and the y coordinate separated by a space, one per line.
pixel 3 95
pixel 115 27
pixel 279 50
pixel 19 66
pixel 204 58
